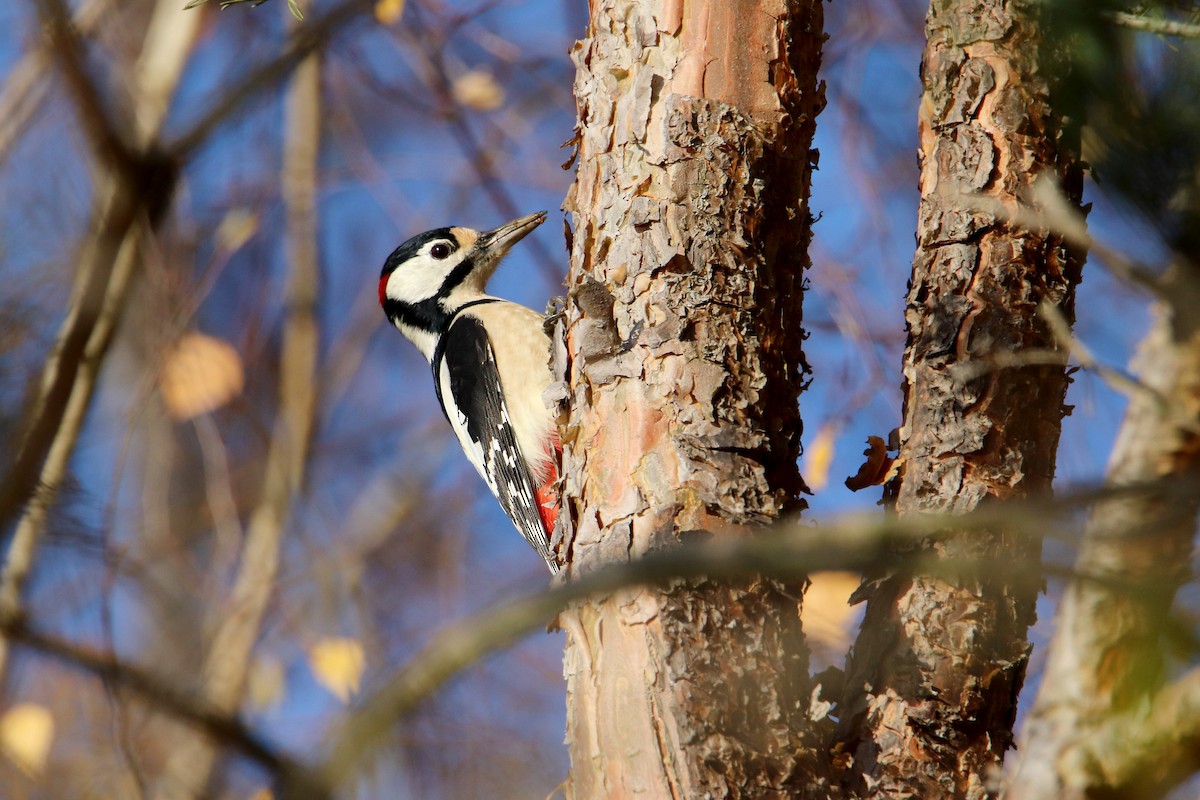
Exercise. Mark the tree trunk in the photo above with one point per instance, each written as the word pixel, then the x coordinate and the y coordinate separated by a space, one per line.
pixel 933 679
pixel 1108 656
pixel 691 227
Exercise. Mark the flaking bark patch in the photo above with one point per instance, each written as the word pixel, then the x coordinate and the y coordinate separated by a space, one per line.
pixel 682 365
pixel 932 682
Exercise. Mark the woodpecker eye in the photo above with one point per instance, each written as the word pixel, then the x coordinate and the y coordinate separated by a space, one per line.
pixel 440 250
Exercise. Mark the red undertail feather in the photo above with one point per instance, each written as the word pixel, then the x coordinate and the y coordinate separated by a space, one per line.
pixel 547 493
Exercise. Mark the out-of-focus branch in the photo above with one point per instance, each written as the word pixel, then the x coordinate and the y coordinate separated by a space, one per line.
pixel 75 398
pixel 305 40
pixel 1159 27
pixel 1051 212
pixel 126 214
pixel 1106 659
pixel 26 84
pixel 863 543
pixel 109 137
pixel 429 43
pixel 856 545
pixel 163 695
pixel 229 653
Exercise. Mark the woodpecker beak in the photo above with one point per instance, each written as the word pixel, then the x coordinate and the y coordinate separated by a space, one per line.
pixel 495 243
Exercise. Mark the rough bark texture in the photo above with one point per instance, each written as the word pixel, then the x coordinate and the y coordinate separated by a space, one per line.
pixel 1108 655
pixel 683 363
pixel 933 679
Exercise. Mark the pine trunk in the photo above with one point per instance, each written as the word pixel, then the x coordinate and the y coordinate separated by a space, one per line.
pixel 683 360
pixel 933 679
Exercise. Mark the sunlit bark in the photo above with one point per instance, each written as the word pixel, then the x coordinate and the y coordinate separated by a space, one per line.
pixel 934 676
pixel 683 335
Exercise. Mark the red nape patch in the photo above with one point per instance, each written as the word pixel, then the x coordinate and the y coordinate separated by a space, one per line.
pixel 383 289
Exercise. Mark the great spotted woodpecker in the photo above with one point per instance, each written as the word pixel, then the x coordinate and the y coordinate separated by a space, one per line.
pixel 490 360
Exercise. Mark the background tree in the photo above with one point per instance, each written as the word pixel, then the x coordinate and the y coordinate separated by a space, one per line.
pixel 228 514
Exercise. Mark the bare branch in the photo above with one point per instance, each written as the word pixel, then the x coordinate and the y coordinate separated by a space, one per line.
pixel 109 138
pixel 26 85
pixel 162 694
pixel 306 40
pixel 230 650
pixel 1160 27
pixel 125 217
pixel 870 544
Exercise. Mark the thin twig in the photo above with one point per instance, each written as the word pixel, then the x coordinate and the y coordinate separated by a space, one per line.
pixel 306 40
pixel 162 695
pixel 1160 27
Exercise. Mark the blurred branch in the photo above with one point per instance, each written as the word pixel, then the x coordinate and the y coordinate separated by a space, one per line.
pixel 71 397
pixel 305 40
pixel 1053 213
pixel 161 694
pixel 229 653
pixel 26 84
pixel 1106 658
pixel 867 543
pixel 430 44
pixel 110 142
pixel 293 5
pixel 129 205
pixel 1117 379
pixel 871 544
pixel 1160 27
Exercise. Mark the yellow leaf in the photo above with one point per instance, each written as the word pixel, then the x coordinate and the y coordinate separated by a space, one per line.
pixel 26 732
pixel 826 614
pixel 200 374
pixel 477 89
pixel 266 683
pixel 388 11
pixel 236 228
pixel 818 457
pixel 263 794
pixel 337 664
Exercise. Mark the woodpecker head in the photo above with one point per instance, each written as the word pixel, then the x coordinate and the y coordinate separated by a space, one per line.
pixel 426 279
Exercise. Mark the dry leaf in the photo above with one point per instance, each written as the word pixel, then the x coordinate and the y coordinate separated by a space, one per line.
pixel 826 613
pixel 818 456
pixel 389 11
pixel 878 469
pixel 337 664
pixel 265 683
pixel 201 374
pixel 477 89
pixel 236 228
pixel 26 732
pixel 263 794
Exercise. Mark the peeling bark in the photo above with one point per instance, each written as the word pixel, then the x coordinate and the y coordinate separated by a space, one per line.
pixel 933 679
pixel 683 363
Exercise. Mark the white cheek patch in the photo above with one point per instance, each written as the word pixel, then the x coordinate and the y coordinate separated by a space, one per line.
pixel 418 279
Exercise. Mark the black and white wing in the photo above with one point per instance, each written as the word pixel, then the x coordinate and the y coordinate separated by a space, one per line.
pixel 473 400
